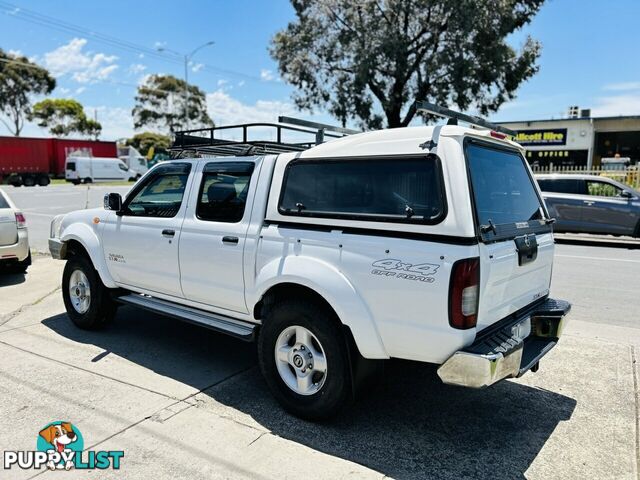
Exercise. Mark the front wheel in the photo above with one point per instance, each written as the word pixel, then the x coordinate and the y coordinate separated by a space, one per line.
pixel 86 299
pixel 304 359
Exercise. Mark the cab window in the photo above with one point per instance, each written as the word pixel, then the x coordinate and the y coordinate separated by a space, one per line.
pixel 223 192
pixel 161 194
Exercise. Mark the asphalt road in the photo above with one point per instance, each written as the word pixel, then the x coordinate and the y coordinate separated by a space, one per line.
pixel 41 204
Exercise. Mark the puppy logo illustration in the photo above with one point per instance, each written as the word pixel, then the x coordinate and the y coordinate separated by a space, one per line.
pixel 64 440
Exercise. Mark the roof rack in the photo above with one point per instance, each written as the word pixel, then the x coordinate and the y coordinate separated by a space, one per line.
pixel 454 116
pixel 256 138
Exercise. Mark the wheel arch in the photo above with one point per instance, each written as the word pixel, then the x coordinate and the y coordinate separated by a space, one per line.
pixel 79 236
pixel 331 288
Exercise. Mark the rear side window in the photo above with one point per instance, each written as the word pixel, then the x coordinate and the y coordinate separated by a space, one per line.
pixel 562 185
pixel 3 202
pixel 71 166
pixel 223 193
pixel 399 189
pixel 503 190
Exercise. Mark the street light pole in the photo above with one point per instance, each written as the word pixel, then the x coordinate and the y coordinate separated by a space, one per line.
pixel 187 59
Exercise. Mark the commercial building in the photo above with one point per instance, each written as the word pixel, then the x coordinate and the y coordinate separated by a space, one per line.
pixel 579 141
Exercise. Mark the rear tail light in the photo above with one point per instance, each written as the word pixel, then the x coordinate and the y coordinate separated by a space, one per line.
pixel 463 293
pixel 499 135
pixel 20 220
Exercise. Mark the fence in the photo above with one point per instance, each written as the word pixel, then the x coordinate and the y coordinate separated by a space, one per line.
pixel 629 175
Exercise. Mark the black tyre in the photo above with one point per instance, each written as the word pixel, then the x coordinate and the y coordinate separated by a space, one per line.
pixel 88 302
pixel 88 180
pixel 43 180
pixel 637 232
pixel 29 181
pixel 75 182
pixel 23 265
pixel 304 358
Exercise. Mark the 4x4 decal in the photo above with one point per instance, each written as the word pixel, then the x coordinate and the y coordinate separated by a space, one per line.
pixel 391 267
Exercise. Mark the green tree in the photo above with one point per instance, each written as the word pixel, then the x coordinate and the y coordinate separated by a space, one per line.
pixel 369 60
pixel 20 80
pixel 161 103
pixel 63 117
pixel 145 140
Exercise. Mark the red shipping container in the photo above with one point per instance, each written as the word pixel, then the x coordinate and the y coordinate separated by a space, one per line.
pixel 24 155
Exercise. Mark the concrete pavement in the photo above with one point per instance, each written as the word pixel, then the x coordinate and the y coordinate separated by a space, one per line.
pixel 182 401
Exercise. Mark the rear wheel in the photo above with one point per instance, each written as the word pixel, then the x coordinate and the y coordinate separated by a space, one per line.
pixel 88 180
pixel 43 180
pixel 28 181
pixel 637 232
pixel 86 299
pixel 304 358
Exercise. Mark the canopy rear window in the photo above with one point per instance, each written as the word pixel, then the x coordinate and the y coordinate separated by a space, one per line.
pixel 503 190
pixel 390 189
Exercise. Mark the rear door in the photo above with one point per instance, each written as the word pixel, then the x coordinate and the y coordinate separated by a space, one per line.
pixel 214 233
pixel 564 201
pixel 516 249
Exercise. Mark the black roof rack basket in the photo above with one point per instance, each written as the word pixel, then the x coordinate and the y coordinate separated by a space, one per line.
pixel 258 138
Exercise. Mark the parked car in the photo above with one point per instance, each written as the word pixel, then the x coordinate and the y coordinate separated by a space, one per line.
pixel 591 204
pixel 15 255
pixel 96 169
pixel 396 243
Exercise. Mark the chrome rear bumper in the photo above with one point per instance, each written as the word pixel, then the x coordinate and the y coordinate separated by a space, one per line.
pixel 500 352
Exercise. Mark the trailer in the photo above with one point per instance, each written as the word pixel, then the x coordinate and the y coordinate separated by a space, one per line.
pixel 34 161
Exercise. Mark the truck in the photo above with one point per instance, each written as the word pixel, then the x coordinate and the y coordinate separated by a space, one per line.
pixel 430 244
pixel 34 161
pixel 133 159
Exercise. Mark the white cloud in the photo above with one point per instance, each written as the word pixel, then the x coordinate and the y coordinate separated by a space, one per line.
pixel 83 67
pixel 79 90
pixel 222 82
pixel 63 90
pixel 266 74
pixel 117 122
pixel 136 68
pixel 197 67
pixel 241 83
pixel 158 45
pixel 617 105
pixel 226 110
pixel 623 86
pixel 15 53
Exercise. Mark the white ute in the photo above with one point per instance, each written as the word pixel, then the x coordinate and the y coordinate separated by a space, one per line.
pixel 427 243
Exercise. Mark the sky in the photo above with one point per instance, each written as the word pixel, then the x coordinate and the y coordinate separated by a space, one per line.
pixel 100 51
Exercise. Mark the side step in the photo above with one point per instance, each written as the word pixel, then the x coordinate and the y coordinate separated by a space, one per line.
pixel 236 328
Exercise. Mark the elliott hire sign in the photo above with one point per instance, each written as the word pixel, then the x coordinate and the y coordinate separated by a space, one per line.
pixel 551 136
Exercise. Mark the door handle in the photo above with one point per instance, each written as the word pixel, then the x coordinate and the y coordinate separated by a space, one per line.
pixel 168 232
pixel 227 239
pixel 589 202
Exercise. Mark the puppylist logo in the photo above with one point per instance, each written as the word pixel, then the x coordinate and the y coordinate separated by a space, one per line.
pixel 60 446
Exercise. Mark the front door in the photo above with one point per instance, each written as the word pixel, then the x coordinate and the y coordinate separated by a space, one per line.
pixel 141 244
pixel 604 210
pixel 214 233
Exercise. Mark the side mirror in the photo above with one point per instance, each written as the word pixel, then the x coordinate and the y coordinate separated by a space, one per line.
pixel 626 194
pixel 113 201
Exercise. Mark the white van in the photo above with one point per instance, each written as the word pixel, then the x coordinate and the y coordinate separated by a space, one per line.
pixel 96 169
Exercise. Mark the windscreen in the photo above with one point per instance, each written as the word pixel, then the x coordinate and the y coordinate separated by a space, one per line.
pixel 503 190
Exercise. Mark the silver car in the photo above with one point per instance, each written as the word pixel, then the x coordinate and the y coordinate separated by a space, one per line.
pixel 591 204
pixel 14 241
